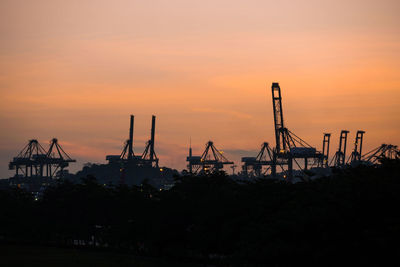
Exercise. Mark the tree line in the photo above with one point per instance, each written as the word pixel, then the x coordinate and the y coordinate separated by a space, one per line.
pixel 211 218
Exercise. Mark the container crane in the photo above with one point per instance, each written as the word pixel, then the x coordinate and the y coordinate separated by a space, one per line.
pixel 384 151
pixel 127 154
pixel 324 162
pixel 253 166
pixel 57 160
pixel 149 156
pixel 355 156
pixel 211 160
pixel 339 159
pixel 289 147
pixel 35 161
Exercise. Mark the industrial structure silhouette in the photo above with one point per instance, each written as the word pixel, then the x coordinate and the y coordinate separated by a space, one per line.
pixel 291 152
pixel 291 156
pixel 34 160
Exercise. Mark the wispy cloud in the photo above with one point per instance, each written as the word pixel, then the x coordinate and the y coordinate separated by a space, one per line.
pixel 234 113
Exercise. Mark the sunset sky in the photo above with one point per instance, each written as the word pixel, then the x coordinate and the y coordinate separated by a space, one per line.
pixel 76 70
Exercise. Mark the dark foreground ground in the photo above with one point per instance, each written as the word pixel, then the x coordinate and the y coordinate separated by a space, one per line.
pixel 35 256
pixel 350 218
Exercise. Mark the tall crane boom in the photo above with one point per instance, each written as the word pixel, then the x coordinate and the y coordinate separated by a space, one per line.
pixel 130 150
pixel 278 117
pixel 153 128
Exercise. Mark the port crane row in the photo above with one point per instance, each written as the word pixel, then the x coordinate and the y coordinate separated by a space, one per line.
pixel 290 154
pixel 35 161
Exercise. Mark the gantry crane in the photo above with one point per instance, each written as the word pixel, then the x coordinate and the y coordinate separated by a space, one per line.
pixel 289 147
pixel 384 151
pixel 355 156
pixel 127 153
pixel 30 160
pixel 339 159
pixel 148 157
pixel 35 161
pixel 324 162
pixel 211 160
pixel 253 166
pixel 57 159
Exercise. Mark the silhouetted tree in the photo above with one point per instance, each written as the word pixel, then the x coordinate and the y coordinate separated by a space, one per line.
pixel 352 214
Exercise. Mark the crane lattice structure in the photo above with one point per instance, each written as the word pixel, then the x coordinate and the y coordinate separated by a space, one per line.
pixel 211 160
pixel 384 151
pixel 35 161
pixel 253 166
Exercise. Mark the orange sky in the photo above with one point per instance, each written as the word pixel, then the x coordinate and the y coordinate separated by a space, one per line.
pixel 75 70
